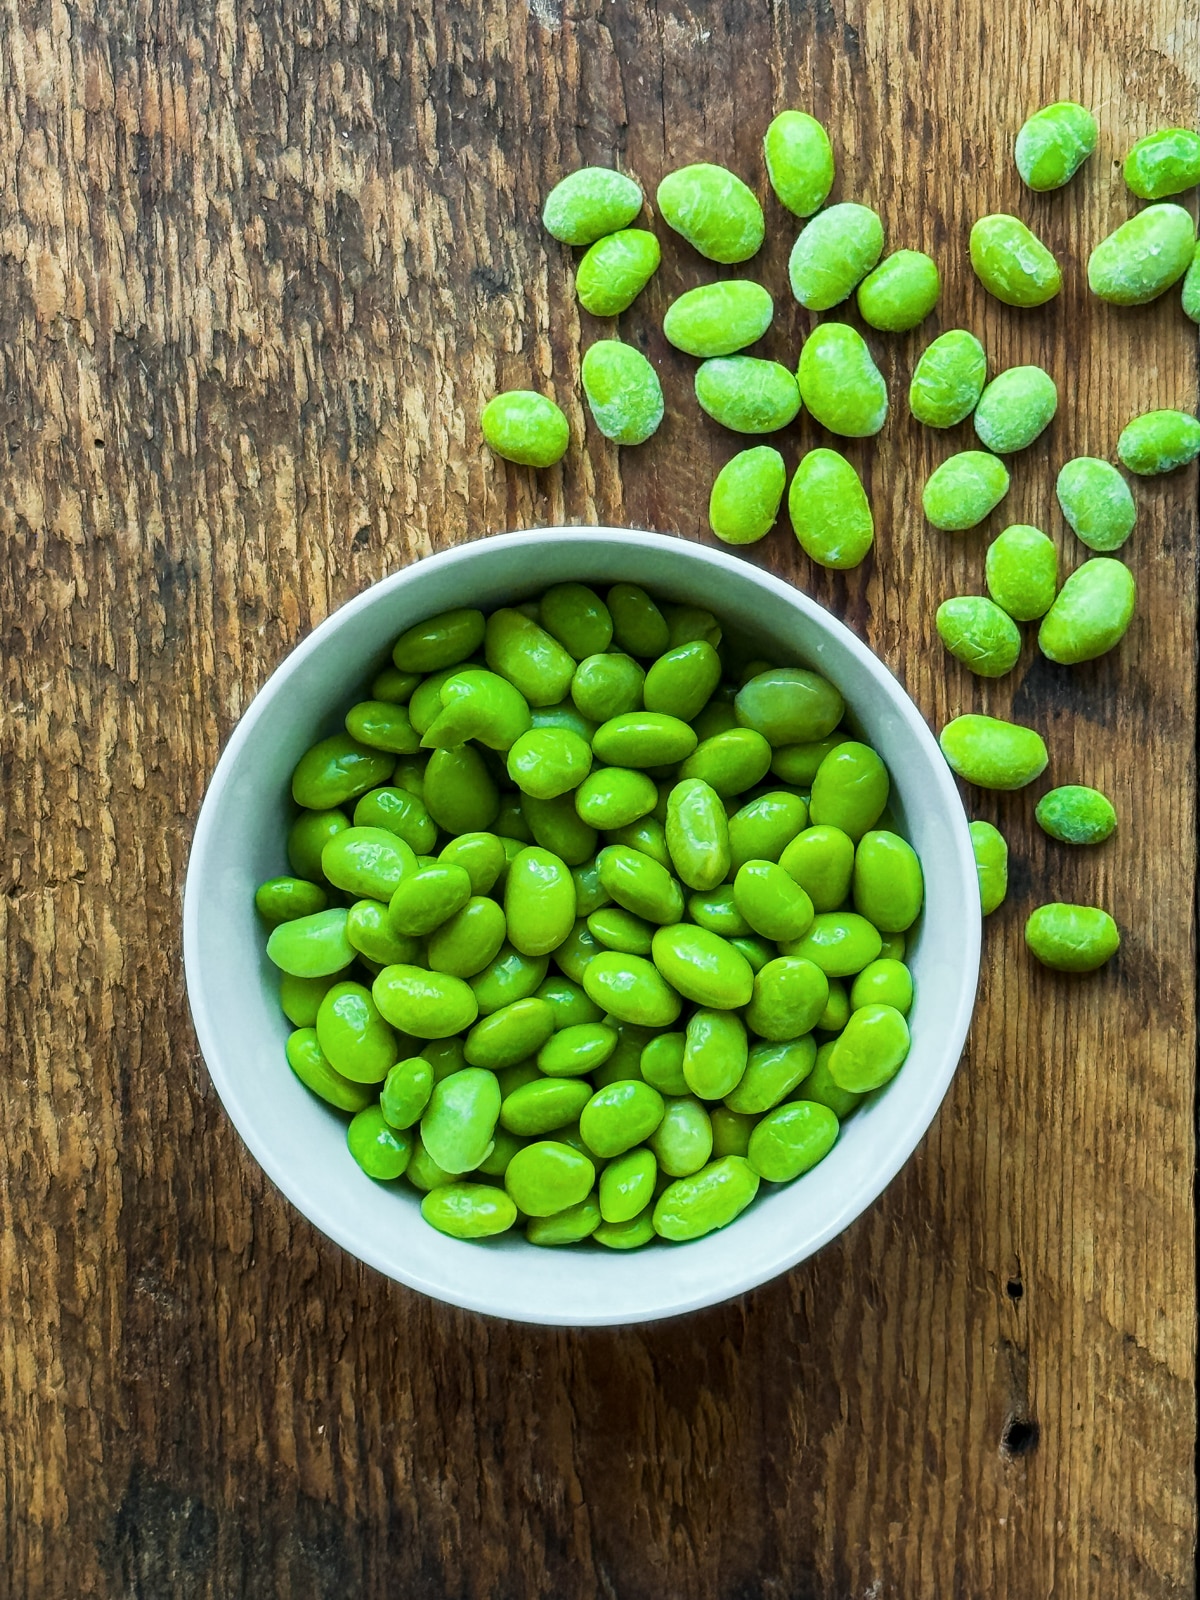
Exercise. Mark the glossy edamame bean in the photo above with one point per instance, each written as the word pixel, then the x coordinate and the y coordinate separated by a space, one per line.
pixel 575 953
pixel 444 1056
pixel 627 1185
pixel 569 1002
pixel 481 855
pixel 731 1132
pixel 605 686
pixel 425 706
pixel 948 379
pixel 625 1061
pixel 979 634
pixel 771 901
pixel 713 210
pixel 715 1053
pixel 1075 814
pixel 681 681
pixel 509 976
pixel 632 988
pixel 620 1116
pixel 821 860
pixel 631 1235
pixel 477 705
pixel 429 1005
pixel 1097 503
pixel 529 657
pixel 394 686
pixel 368 862
pixel 557 826
pixel 789 996
pixel 618 929
pixel 354 1037
pixel 381 1151
pixel 833 254
pixel 440 641
pixel 850 789
pixel 643 739
pixel 1091 614
pixel 423 1171
pixel 571 1225
pixel 623 392
pixel 1022 572
pixel 870 1049
pixel 763 828
pixel 841 943
pixel 729 763
pixel 590 202
pixel 883 982
pixel 615 270
pixel 992 753
pixel 428 897
pixel 369 929
pixel 820 1089
pixel 404 814
pixel 590 893
pixel 702 967
pixel 512 1034
pixel 1012 263
pixel 688 623
pixel 336 770
pixel 682 1142
pixel 773 1070
pixel 308 836
pixel 889 886
pixel 715 910
pixel 964 489
pixel 284 899
pixel 1054 143
pixel 382 726
pixel 661 1063
pixel 789 705
pixel 837 1008
pixel 991 865
pixel 639 627
pixel 640 884
pixel 1191 288
pixel 697 830
pixel 547 762
pixel 840 383
pixel 1072 938
pixel 308 1061
pixel 746 393
pixel 573 1051
pixel 459 791
pixel 312 947
pixel 523 426
pixel 545 1105
pixel 718 319
pixel 1163 163
pixel 710 1199
pixel 539 901
pixel 1159 441
pixel 792 1139
pixel 798 764
pixel 1017 406
pixel 613 797
pixel 406 1091
pixel 746 495
pixel 300 998
pixel 830 512
pixel 901 291
pixel 1144 257
pixel 577 617
pixel 468 1210
pixel 799 161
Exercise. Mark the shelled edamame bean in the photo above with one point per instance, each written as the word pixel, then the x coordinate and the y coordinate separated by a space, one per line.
pixel 564 963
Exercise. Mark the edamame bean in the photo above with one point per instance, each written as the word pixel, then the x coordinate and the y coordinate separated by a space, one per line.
pixel 1072 938
pixel 612 797
pixel 576 1050
pixel 1015 408
pixel 312 947
pixel 697 831
pixel 771 901
pixel 830 512
pixel 901 291
pixel 991 865
pixel 523 426
pixel 992 753
pixel 577 617
pixel 713 210
pixel 715 1053
pixel 575 953
pixel 427 898
pixel 625 1062
pixel 444 1056
pixel 883 982
pixel 509 976
pixel 840 383
pixel 569 1002
pixel 284 899
pixel 889 887
pixel 718 319
pixel 1012 263
pixel 460 1119
pixel 746 495
pixel 380 1150
pixel 640 884
pixel 369 929
pixel 820 1089
pixel 589 203
pixel 300 998
pixel 468 1210
pixel 394 686
pixel 765 826
pixel 1159 441
pixel 404 814
pixel 715 910
pixel 964 489
pixel 590 893
pixel 1054 143
pixel 789 705
pixel 841 943
pixel 702 967
pixel 789 996
pixel 773 1070
pixel 681 682
pixel 682 1142
pixel 481 855
pixel 1163 163
pixel 308 836
pixel 547 762
pixel 729 763
pixel 620 1116
pixel 643 739
pixel 688 623
pixel 979 634
pixel 821 860
pixel 870 1049
pixel 615 270
pixel 439 642
pixel 639 627
pixel 545 1105
pixel 308 1061
pixel 512 1034
pixel 747 394
pixel 629 1235
pixel 478 705
pixel 710 1199
pixel 338 769
pixel 459 791
pixel 833 254
pixel 368 862
pixel 569 1226
pixel 1075 814
pixel 557 826
pixel 623 391
pixel 791 1139
pixel 529 657
pixel 1097 503
pixel 799 161
pixel 850 789
pixel 627 1185
pixel 632 988
pixel 798 763
pixel 429 1005
pixel 539 901
pixel 837 1008
pixel 1191 288
pixel 617 929
pixel 1091 614
pixel 948 379
pixel 382 726
pixel 1144 257
pixel 731 1132
pixel 661 1063
pixel 406 1091
pixel 1022 572
pixel 604 686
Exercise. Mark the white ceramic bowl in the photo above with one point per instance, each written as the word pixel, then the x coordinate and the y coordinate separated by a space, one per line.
pixel 301 1143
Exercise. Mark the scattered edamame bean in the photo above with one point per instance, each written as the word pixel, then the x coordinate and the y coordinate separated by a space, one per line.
pixel 840 383
pixel 1015 408
pixel 615 270
pixel 1163 163
pixel 1159 441
pixel 833 254
pixel 830 512
pixel 1191 288
pixel 528 428
pixel 713 210
pixel 991 865
pixel 1022 572
pixel 1097 503
pixel 1076 814
pixel 1054 143
pixel 1012 263
pixel 900 292
pixel 1143 257
pixel 1072 938
pixel 717 319
pixel 623 391
pixel 1091 614
pixel 992 753
pixel 980 634
pixel 746 495
pixel 964 489
pixel 948 379
pixel 799 162
pixel 589 203
pixel 747 394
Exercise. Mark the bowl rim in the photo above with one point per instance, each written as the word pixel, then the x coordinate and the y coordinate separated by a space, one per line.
pixel 954 1029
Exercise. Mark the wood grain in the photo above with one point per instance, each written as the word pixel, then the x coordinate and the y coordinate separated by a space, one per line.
pixel 259 266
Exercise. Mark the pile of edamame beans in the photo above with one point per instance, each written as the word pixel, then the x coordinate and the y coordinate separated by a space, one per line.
pixel 589 928
pixel 839 253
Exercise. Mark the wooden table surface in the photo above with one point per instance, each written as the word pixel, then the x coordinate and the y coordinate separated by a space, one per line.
pixel 259 268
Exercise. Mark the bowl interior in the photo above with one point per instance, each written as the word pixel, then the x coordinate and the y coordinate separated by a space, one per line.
pixel 233 989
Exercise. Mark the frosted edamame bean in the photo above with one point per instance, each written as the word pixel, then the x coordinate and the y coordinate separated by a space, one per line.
pixel 589 203
pixel 1097 503
pixel 525 427
pixel 883 982
pixel 833 254
pixel 821 860
pixel 429 1005
pixel 840 383
pixel 1012 263
pixel 284 899
pixel 901 291
pixel 746 495
pixel 615 270
pixel 1075 814
pixel 980 634
pixel 830 512
pixel 870 1049
pixel 682 680
pixel 338 769
pixel 992 753
pixel 460 1119
pixel 948 379
pixel 1054 143
pixel 888 884
pixel 746 394
pixel 850 789
pixel 1163 163
pixel 713 210
pixel 381 1151
pixel 791 1139
pixel 312 947
pixel 1091 614
pixel 964 489
pixel 717 319
pixel 709 1199
pixel 1143 257
pixel 1159 441
pixel 308 1061
pixel 991 865
pixel 799 160
pixel 1022 573
pixel 1017 406
pixel 1072 938
pixel 789 705
pixel 468 1210
pixel 623 391
pixel 1191 288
